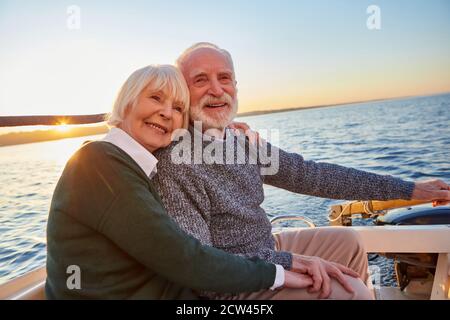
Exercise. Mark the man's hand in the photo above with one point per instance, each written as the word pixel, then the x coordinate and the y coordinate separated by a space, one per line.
pixel 296 280
pixel 433 190
pixel 321 271
pixel 252 136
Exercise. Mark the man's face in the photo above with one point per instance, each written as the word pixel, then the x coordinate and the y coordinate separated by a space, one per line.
pixel 210 77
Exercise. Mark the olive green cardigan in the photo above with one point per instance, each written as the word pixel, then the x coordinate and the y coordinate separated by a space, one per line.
pixel 107 219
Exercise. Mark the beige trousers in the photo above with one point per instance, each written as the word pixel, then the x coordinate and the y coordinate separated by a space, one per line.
pixel 338 244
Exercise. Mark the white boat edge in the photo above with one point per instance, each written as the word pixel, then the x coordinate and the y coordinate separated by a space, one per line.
pixel 386 239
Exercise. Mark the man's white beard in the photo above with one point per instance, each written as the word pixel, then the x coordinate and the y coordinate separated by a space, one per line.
pixel 222 118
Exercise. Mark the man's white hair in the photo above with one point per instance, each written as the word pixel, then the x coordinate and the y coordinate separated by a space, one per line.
pixel 165 78
pixel 201 45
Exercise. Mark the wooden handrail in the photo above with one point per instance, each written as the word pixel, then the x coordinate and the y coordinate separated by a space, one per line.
pixel 340 214
pixel 358 207
pixel 15 121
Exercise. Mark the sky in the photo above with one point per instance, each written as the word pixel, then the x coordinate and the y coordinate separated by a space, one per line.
pixel 286 53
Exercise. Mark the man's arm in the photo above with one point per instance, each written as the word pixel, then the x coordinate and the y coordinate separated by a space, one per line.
pixel 333 181
pixel 282 258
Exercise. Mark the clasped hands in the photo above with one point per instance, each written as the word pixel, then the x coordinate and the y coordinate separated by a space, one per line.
pixel 315 274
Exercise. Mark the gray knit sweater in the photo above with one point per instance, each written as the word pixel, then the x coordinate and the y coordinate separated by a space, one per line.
pixel 220 204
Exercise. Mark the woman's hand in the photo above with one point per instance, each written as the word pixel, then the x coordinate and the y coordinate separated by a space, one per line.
pixel 296 280
pixel 321 272
pixel 252 136
pixel 433 190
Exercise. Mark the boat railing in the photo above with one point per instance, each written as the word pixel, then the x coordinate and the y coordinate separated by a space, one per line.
pixel 49 120
pixel 292 217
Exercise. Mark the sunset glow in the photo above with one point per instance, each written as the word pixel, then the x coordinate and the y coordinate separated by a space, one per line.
pixel 286 54
pixel 62 127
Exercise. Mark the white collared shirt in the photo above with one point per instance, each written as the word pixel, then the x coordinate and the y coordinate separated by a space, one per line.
pixel 144 158
pixel 147 161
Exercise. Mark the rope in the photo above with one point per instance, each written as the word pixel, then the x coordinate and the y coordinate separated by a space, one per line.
pixel 340 214
pixel 367 205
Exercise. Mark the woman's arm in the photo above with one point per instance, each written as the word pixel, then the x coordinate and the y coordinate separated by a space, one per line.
pixel 123 208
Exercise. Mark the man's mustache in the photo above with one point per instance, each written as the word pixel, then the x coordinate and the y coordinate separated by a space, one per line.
pixel 208 100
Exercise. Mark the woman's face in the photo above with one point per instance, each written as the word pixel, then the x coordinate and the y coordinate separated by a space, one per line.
pixel 153 119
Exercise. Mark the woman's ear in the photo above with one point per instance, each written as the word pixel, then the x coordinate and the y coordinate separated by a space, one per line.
pixel 127 110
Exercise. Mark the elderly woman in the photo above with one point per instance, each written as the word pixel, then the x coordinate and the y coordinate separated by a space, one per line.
pixel 107 222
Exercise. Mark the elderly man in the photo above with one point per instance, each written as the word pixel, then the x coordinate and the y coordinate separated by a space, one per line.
pixel 220 204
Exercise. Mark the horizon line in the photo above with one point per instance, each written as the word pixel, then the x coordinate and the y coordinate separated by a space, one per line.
pixel 259 112
pixel 78 119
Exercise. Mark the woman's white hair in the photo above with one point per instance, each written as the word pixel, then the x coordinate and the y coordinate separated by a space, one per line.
pixel 165 78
